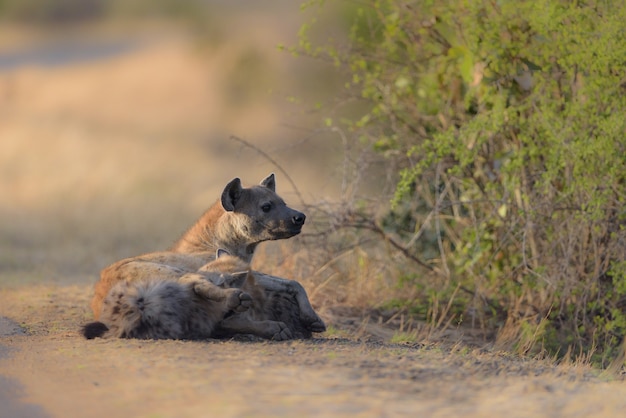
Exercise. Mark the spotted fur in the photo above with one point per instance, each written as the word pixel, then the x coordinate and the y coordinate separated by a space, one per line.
pixel 187 308
pixel 274 313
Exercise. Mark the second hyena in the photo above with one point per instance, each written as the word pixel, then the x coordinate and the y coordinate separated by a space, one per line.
pixel 273 314
pixel 187 308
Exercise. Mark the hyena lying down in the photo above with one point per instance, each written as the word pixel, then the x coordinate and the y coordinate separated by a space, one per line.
pixel 222 299
pixel 238 222
pixel 273 314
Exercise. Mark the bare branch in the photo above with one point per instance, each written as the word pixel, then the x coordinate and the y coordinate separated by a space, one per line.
pixel 272 161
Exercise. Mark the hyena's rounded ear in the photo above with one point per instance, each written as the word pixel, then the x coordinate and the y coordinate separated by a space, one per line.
pixel 221 253
pixel 269 182
pixel 231 195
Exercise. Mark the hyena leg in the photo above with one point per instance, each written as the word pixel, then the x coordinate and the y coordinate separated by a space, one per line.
pixel 233 299
pixel 307 315
pixel 240 324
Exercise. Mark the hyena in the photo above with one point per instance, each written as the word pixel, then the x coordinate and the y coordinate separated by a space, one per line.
pixel 187 308
pixel 273 314
pixel 238 222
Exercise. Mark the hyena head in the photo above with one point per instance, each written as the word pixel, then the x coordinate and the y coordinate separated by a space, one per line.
pixel 261 214
pixel 227 270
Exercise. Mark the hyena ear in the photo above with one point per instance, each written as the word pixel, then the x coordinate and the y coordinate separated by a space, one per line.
pixel 221 253
pixel 240 274
pixel 231 195
pixel 269 182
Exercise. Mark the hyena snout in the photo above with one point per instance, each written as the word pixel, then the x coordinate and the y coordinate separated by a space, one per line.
pixel 298 219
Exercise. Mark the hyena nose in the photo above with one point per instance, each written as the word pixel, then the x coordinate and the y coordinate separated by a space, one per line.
pixel 299 219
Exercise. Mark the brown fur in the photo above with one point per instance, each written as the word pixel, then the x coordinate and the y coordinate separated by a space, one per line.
pixel 162 265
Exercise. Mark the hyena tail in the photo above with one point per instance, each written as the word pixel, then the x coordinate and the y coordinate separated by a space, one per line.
pixel 94 330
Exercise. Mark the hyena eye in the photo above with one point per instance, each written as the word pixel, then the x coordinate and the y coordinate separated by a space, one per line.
pixel 266 207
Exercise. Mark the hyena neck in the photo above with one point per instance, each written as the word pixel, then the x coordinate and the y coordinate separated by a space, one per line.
pixel 216 229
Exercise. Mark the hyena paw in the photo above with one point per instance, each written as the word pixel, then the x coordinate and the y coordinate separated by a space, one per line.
pixel 314 324
pixel 280 332
pixel 239 301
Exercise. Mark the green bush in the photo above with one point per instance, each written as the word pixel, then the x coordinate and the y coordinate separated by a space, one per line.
pixel 507 122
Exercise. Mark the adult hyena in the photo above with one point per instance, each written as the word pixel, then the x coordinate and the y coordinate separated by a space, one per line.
pixel 151 308
pixel 238 222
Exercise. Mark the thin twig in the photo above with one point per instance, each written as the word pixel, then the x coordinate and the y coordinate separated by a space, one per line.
pixel 372 226
pixel 272 161
pixel 442 251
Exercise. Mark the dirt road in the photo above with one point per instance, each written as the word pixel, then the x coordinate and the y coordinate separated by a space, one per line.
pixel 48 370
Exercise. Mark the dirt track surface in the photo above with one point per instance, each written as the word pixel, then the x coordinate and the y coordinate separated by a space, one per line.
pixel 48 370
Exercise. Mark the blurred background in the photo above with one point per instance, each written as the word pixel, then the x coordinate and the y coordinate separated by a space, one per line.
pixel 116 118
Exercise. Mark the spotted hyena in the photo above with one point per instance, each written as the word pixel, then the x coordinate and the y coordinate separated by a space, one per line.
pixel 221 299
pixel 274 312
pixel 189 307
pixel 240 220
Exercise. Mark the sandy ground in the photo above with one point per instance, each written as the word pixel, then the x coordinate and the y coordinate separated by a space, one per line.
pixel 48 369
